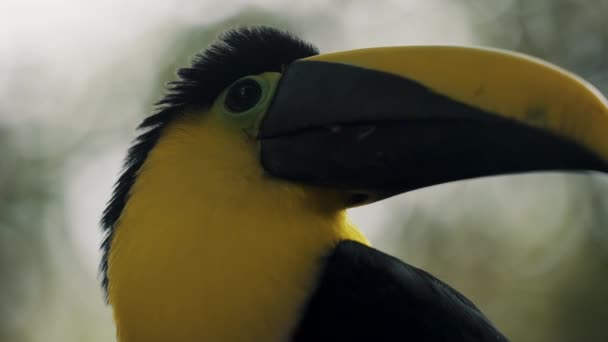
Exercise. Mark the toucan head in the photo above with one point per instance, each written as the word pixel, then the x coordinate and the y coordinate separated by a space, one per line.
pixel 343 129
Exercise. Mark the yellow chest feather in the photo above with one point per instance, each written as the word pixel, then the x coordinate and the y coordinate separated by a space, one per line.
pixel 210 249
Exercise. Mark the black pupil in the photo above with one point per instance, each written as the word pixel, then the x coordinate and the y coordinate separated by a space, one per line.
pixel 243 95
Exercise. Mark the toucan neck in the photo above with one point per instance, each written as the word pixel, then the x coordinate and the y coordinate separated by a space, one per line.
pixel 199 247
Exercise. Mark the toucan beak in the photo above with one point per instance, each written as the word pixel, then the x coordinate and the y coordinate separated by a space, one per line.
pixel 378 122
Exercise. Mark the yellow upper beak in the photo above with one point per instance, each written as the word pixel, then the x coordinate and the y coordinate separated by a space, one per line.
pixel 512 85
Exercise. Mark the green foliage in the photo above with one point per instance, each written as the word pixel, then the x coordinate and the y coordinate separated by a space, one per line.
pixel 23 197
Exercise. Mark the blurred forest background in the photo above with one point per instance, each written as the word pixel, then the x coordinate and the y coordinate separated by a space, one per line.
pixel 77 76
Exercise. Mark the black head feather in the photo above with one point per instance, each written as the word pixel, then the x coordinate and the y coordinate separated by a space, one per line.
pixel 236 53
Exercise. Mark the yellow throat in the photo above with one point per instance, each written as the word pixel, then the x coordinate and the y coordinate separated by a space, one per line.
pixel 209 248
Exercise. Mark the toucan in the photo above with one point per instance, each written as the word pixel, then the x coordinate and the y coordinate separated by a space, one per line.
pixel 228 221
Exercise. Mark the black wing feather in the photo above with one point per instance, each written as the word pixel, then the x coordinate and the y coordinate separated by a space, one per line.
pixel 366 295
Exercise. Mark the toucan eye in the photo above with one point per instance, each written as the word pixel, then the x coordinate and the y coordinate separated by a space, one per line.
pixel 243 95
pixel 245 101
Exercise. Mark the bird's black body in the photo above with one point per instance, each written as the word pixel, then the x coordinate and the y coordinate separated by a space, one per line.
pixel 366 295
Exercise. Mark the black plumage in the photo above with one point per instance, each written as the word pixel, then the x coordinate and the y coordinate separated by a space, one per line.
pixel 366 295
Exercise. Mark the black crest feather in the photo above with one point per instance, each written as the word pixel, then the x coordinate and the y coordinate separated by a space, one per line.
pixel 236 53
